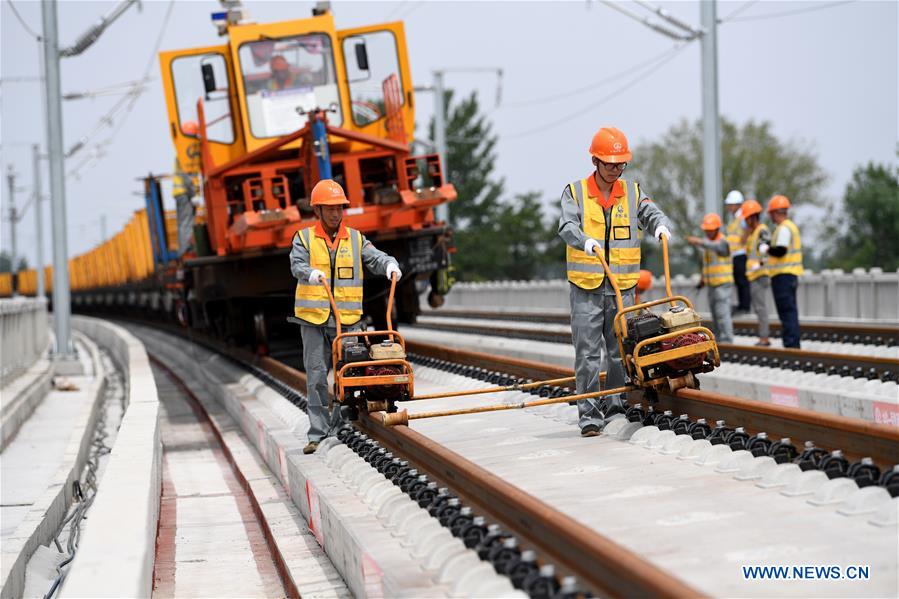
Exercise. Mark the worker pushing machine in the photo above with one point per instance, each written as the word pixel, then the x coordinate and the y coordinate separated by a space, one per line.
pixel 329 252
pixel 717 275
pixel 605 214
pixel 734 231
pixel 785 267
pixel 757 235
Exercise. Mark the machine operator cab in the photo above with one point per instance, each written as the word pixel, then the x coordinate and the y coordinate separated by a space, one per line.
pixel 264 81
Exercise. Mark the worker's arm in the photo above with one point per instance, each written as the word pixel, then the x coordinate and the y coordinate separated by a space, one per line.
pixel 299 260
pixel 375 260
pixel 651 216
pixel 780 243
pixel 720 247
pixel 571 230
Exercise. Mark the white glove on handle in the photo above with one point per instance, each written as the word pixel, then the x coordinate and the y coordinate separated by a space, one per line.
pixel 393 268
pixel 763 248
pixel 663 230
pixel 316 277
pixel 591 246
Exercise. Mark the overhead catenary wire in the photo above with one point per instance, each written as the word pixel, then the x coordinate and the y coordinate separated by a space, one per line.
pixel 640 77
pixel 22 22
pixel 645 21
pixel 743 8
pixel 790 13
pixel 667 16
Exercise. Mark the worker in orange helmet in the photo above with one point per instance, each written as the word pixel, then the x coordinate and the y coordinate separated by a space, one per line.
pixel 785 267
pixel 184 187
pixel 717 274
pixel 755 237
pixel 329 253
pixel 603 213
pixel 282 77
pixel 644 284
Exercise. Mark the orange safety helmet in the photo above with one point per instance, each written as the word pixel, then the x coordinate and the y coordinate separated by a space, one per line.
pixel 710 222
pixel 644 282
pixel 328 192
pixel 750 207
pixel 190 128
pixel 610 145
pixel 279 63
pixel 778 203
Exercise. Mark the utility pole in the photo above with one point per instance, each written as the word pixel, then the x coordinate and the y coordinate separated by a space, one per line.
pixel 711 144
pixel 442 211
pixel 61 297
pixel 38 219
pixel 13 219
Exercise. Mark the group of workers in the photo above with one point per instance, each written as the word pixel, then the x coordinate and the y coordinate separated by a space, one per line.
pixel 602 213
pixel 755 260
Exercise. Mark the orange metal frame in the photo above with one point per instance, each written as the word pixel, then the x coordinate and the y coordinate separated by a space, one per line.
pixel 343 382
pixel 635 363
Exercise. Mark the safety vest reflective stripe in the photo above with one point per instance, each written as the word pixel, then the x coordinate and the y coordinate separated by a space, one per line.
pixel 623 238
pixel 755 262
pixel 311 300
pixel 733 235
pixel 717 269
pixel 791 263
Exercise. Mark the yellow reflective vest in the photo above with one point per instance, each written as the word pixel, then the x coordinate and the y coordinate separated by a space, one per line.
pixel 343 275
pixel 717 269
pixel 755 262
pixel 619 239
pixel 791 263
pixel 734 234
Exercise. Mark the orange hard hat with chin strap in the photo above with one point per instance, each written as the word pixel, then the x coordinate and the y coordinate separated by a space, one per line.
pixel 610 145
pixel 749 208
pixel 710 222
pixel 328 192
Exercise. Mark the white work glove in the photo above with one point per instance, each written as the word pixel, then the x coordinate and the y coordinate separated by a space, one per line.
pixel 591 246
pixel 663 230
pixel 763 248
pixel 316 277
pixel 393 268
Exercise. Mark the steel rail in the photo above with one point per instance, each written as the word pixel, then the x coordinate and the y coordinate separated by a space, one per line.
pixel 889 332
pixel 856 438
pixel 879 364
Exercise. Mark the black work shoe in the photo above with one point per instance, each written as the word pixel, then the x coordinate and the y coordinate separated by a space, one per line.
pixel 591 430
pixel 310 447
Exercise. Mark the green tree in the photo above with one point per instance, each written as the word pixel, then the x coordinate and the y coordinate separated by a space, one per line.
pixel 864 231
pixel 753 160
pixel 496 238
pixel 6 262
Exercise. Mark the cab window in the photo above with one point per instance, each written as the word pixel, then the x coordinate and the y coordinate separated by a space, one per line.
pixel 286 74
pixel 187 75
pixel 370 59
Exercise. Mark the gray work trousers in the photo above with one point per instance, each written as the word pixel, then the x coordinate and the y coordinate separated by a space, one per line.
pixel 317 341
pixel 184 211
pixel 759 290
pixel 592 319
pixel 719 302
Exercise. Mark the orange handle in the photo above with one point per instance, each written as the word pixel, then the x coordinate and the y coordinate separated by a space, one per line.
pixel 667 269
pixel 612 280
pixel 333 304
pixel 390 305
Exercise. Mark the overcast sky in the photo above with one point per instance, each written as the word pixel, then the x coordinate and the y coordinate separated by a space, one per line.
pixel 825 77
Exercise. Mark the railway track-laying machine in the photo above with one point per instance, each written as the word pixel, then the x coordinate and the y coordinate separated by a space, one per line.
pixel 256 122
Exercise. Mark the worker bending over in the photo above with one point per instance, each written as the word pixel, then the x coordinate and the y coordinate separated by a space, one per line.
pixel 736 226
pixel 335 254
pixel 757 235
pixel 603 213
pixel 785 266
pixel 717 274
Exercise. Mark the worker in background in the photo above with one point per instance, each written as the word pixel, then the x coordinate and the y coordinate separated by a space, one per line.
pixel 784 266
pixel 184 188
pixel 717 274
pixel 603 213
pixel 644 284
pixel 282 77
pixel 320 254
pixel 734 233
pixel 757 235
